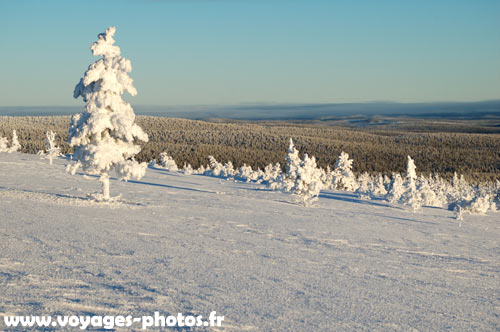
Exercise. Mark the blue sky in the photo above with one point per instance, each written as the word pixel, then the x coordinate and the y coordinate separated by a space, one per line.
pixel 188 52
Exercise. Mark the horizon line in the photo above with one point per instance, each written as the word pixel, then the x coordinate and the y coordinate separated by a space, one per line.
pixel 274 104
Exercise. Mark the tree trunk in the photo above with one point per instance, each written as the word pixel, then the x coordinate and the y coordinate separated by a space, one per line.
pixel 105 186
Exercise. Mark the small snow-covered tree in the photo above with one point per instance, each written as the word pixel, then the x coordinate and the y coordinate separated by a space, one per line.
pixel 292 160
pixel 480 204
pixel 187 169
pixel 440 187
pixel 364 185
pixel 168 162
pixel 344 178
pixel 201 170
pixel 327 177
pixel 105 135
pixel 246 173
pixel 396 188
pixel 460 190
pixel 292 165
pixel 53 151
pixel 286 180
pixel 228 170
pixel 271 173
pixel 377 187
pixel 216 168
pixel 411 196
pixel 427 194
pixel 308 182
pixel 14 145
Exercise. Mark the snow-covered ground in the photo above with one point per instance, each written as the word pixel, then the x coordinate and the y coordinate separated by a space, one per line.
pixel 194 244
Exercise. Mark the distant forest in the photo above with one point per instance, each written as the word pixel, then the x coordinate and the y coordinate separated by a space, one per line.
pixel 374 149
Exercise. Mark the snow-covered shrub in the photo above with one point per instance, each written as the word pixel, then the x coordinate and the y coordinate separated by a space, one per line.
pixel 215 168
pixel 53 151
pixel 427 192
pixel 201 170
pixel 245 173
pixel 344 178
pixel 377 188
pixel 480 204
pixel 167 162
pixel 14 145
pixel 308 183
pixel 104 136
pixel 364 185
pixel 4 144
pixel 460 190
pixel 440 188
pixel 396 188
pixel 228 170
pixel 327 177
pixel 271 173
pixel 187 169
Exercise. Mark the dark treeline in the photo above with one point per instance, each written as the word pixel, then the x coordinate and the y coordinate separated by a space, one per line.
pixel 477 156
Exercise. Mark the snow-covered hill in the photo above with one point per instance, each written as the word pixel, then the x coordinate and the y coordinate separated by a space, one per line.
pixel 195 244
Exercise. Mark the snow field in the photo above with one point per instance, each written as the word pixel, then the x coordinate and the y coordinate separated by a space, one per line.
pixel 193 244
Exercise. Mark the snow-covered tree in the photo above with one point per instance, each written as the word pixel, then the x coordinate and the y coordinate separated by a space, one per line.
pixel 327 177
pixel 201 170
pixel 247 174
pixel 292 165
pixel 105 135
pixel 216 168
pixel 14 145
pixel 292 160
pixel 480 204
pixel 377 187
pixel 168 162
pixel 271 173
pixel 344 178
pixel 53 151
pixel 228 170
pixel 460 190
pixel 308 182
pixel 411 196
pixel 440 187
pixel 286 180
pixel 427 193
pixel 364 185
pixel 187 169
pixel 396 188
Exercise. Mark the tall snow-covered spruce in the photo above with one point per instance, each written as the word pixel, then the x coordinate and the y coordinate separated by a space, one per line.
pixel 104 136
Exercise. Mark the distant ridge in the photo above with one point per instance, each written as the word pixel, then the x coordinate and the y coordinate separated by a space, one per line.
pixel 451 110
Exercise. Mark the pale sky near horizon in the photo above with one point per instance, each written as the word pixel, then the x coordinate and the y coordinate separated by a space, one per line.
pixel 187 52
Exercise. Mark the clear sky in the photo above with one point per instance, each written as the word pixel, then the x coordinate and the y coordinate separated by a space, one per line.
pixel 256 51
